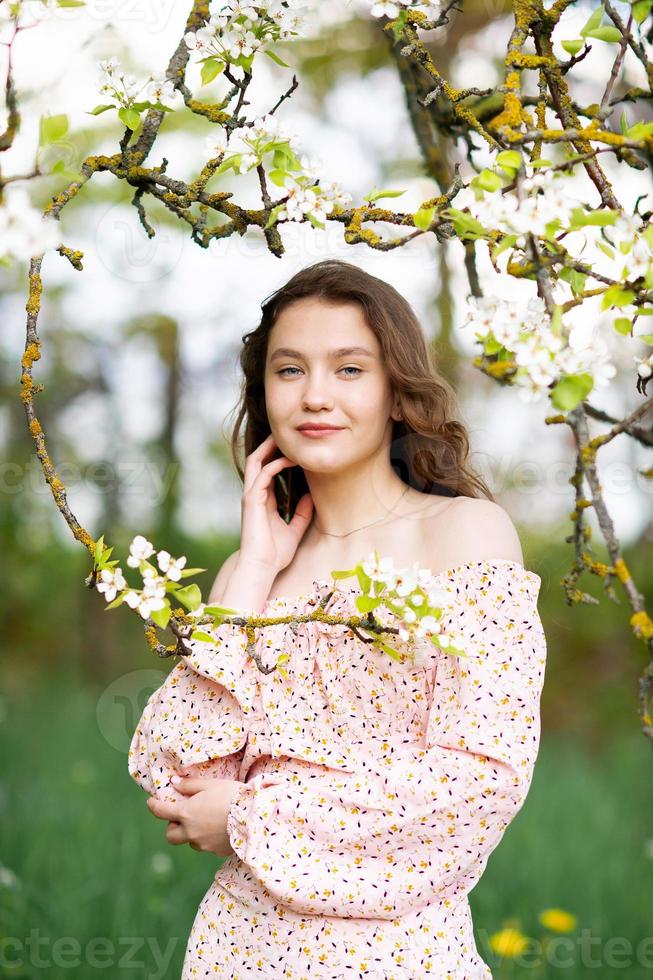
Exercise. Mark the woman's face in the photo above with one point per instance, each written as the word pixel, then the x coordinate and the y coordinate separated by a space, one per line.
pixel 311 377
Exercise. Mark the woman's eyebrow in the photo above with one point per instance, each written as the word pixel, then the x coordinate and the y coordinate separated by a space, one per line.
pixel 339 352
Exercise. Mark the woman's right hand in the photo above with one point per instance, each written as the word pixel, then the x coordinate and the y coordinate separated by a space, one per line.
pixel 266 541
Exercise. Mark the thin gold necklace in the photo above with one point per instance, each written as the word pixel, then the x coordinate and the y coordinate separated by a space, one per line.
pixel 378 521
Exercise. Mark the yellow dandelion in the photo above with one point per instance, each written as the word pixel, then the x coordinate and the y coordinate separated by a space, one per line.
pixel 508 942
pixel 557 920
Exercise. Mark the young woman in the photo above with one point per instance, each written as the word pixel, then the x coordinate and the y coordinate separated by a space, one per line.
pixel 358 798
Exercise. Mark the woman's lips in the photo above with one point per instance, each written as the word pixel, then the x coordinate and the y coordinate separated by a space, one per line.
pixel 318 433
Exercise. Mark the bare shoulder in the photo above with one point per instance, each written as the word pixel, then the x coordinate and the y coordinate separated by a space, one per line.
pixel 223 576
pixel 472 529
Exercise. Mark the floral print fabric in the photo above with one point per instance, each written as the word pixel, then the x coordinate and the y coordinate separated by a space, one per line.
pixel 373 791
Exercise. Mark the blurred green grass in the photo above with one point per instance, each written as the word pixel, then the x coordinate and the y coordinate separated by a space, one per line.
pixel 91 863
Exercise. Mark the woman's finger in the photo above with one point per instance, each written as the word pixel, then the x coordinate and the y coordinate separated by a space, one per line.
pixel 255 459
pixel 163 809
pixel 175 833
pixel 270 469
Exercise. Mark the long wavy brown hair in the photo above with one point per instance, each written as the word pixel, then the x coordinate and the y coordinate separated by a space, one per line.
pixel 429 448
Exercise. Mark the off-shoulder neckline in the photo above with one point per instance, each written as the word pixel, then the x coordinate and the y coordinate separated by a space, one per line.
pixel 319 583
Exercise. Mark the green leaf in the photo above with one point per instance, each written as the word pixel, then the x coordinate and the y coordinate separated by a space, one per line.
pixel 376 195
pixel 100 108
pixel 273 216
pixel 53 128
pixel 161 616
pixel 191 571
pixel 117 601
pixel 647 338
pixel 606 249
pixel 623 325
pixel 201 635
pixel 159 106
pixel 506 242
pixel 572 47
pixel 465 225
pixel 488 180
pixel 645 311
pixel 641 10
pixel 509 159
pixel 70 3
pixel 214 610
pixel 398 24
pixel 347 573
pixel 130 117
pixel 284 156
pixel 492 345
pixel 276 58
pixel 616 296
pixel 607 33
pixel 211 68
pixel 571 390
pixel 363 579
pixel 190 596
pixel 593 22
pixel 278 176
pixel 229 163
pixel 423 218
pixel 315 221
pixel 366 603
pixel 540 162
pixel 602 217
pixel 640 130
pixel 99 547
pixel 388 649
pixel 575 279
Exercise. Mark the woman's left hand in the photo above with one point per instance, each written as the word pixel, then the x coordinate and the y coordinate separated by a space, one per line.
pixel 201 819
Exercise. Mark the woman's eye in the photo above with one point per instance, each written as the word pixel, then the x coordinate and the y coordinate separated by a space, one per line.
pixel 349 367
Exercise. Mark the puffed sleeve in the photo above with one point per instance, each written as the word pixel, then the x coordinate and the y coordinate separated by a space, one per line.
pixel 420 831
pixel 197 721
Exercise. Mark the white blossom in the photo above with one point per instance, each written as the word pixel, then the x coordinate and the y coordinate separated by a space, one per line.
pixel 171 567
pixel 392 8
pixel 644 366
pixel 199 40
pixel 541 355
pixel 111 582
pixel 139 550
pixel 152 596
pixel 159 89
pixel 385 8
pixel 379 569
pixel 109 66
pixel 216 142
pixel 638 259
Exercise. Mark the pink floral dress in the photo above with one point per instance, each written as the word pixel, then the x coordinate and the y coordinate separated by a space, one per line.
pixel 373 791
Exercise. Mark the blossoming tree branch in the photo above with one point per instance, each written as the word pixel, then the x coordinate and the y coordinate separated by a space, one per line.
pixel 532 190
